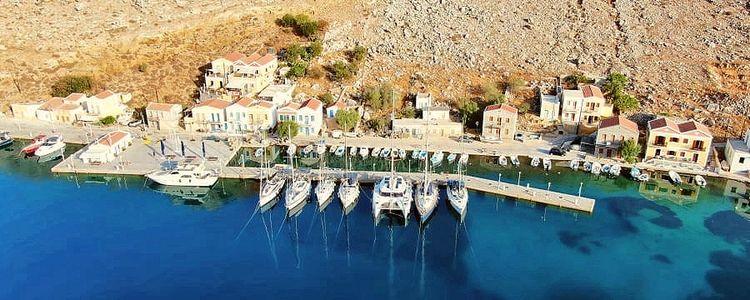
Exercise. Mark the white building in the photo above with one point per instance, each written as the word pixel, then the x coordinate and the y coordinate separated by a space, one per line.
pixel 436 113
pixel 208 116
pixel 310 117
pixel 279 94
pixel 549 107
pixel 737 153
pixel 418 127
pixel 163 116
pixel 238 115
pixel 334 108
pixel 585 106
pixel 422 100
pixel 106 148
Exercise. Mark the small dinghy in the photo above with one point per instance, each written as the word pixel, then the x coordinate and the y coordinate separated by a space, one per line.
pixel 340 151
pixel 535 162
pixel 385 153
pixel 422 155
pixel 615 170
pixel 259 152
pixel 596 168
pixel 700 181
pixel 35 144
pixel 364 152
pixel 375 152
pixel 514 160
pixel 436 158
pixel 464 159
pixel 415 153
pixel 674 177
pixel 308 149
pixel 332 149
pixel 502 160
pixel 587 166
pixel 353 151
pixel 635 173
pixel 394 153
pixel 452 157
pixel 5 139
pixel 605 169
pixel 644 177
pixel 547 163
pixel 574 164
pixel 320 149
pixel 402 154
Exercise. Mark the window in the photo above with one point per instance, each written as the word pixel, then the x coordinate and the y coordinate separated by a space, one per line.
pixel 742 160
pixel 684 141
pixel 682 154
pixel 671 153
pixel 491 119
pixel 674 140
pixel 604 137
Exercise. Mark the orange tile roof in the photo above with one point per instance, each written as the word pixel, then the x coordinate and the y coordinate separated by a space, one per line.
pixel 504 107
pixel 244 101
pixel 51 103
pixel 663 123
pixel 290 105
pixel 618 120
pixel 312 104
pixel 68 106
pixel 266 104
pixel 266 59
pixel 75 96
pixel 250 59
pixel 104 94
pixel 591 91
pixel 112 138
pixel 683 127
pixel 234 56
pixel 692 125
pixel 339 104
pixel 161 106
pixel 215 103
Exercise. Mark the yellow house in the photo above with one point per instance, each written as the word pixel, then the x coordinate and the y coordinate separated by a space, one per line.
pixel 104 104
pixel 221 68
pixel 252 74
pixel 262 115
pixel 25 110
pixel 208 116
pixel 687 142
pixel 68 113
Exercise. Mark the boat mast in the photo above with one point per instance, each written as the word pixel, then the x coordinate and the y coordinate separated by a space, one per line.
pixel 426 149
pixel 291 155
pixel 392 118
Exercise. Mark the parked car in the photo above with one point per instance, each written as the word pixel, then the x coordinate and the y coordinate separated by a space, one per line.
pixel 135 123
pixel 518 137
pixel 465 139
pixel 558 150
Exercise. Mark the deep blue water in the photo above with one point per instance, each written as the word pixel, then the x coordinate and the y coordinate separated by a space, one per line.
pixel 112 237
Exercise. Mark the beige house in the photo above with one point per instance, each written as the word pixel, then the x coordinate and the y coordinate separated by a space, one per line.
pixel 418 127
pixel 612 133
pixel 68 113
pixel 163 116
pixel 25 110
pixel 208 116
pixel 241 75
pixel 422 100
pixel 584 108
pixel 499 122
pixel 104 104
pixel 218 75
pixel 436 113
pixel 737 154
pixel 46 111
pixel 262 115
pixel 688 142
pixel 106 148
pixel 279 94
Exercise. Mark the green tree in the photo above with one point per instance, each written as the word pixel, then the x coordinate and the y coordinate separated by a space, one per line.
pixel 407 112
pixel 296 70
pixel 315 49
pixel 630 150
pixel 295 52
pixel 108 120
pixel 358 54
pixel 523 107
pixel 492 94
pixel 625 103
pixel 515 83
pixel 288 20
pixel 615 83
pixel 577 78
pixel 307 29
pixel 468 109
pixel 67 85
pixel 326 98
pixel 341 70
pixel 389 95
pixel 346 119
pixel 288 128
pixel 373 98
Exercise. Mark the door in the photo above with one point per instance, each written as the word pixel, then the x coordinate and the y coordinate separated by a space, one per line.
pixel 658 152
pixel 695 157
pixel 609 152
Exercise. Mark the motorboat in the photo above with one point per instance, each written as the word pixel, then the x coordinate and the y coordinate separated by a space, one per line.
pixel 35 144
pixel 605 169
pixel 426 197
pixel 587 166
pixel 464 159
pixel 615 170
pixel 458 196
pixel 596 168
pixel 324 191
pixel 320 149
pixel 308 149
pixel 385 153
pixel 436 158
pixel 375 152
pixel 291 150
pixel 451 158
pixel 51 148
pixel 415 153
pixel 635 173
pixel 514 160
pixel 364 152
pixel 644 177
pixel 422 154
pixel 547 163
pixel 574 164
pixel 502 160
pixel 394 153
pixel 348 193
pixel 5 139
pixel 340 151
pixel 189 172
pixel 259 152
pixel 353 151
pixel 700 181
pixel 674 177
pixel 401 153
pixel 269 190
pixel 535 162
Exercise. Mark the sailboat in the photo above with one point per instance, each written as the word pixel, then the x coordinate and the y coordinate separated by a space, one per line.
pixel 324 189
pixel 298 187
pixel 426 192
pixel 271 187
pixel 596 168
pixel 349 188
pixel 392 192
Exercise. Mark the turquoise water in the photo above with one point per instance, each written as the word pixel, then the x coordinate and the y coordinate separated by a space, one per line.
pixel 116 237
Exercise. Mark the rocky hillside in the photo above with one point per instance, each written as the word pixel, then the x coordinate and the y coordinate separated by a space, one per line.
pixel 689 58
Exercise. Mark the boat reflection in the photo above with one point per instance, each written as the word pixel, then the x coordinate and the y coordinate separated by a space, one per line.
pixel 205 197
pixel 659 188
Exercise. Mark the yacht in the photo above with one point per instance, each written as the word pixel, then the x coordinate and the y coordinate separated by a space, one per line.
pixel 349 188
pixel 514 160
pixel 5 139
pixel 189 172
pixel 320 149
pixel 259 152
pixel 402 154
pixel 547 163
pixel 535 162
pixel 587 166
pixel 393 193
pixel 324 189
pixel 605 169
pixel 35 144
pixel 53 145
pixel 415 153
pixel 308 149
pixel 297 189
pixel 458 195
pixel 451 157
pixel 502 160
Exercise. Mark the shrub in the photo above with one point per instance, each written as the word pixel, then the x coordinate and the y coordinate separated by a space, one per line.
pixel 625 103
pixel 326 98
pixel 302 24
pixel 288 128
pixel 373 98
pixel 407 112
pixel 316 72
pixel 523 107
pixel 71 84
pixel 295 52
pixel 341 70
pixel 108 120
pixel 315 49
pixel 515 83
pixel 492 94
pixel 307 29
pixel 288 20
pixel 347 119
pixel 358 54
pixel 297 70
pixel 142 67
pixel 630 150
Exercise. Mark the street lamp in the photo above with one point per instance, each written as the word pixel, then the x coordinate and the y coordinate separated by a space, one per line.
pixel 549 184
pixel 519 178
pixel 499 176
pixel 579 192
